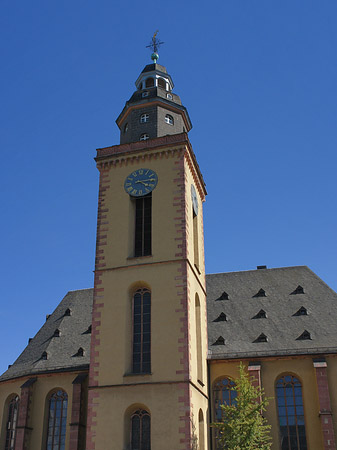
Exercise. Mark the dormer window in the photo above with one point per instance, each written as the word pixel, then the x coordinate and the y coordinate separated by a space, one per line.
pixel 298 290
pixel 169 96
pixel 149 82
pixel 162 83
pixel 126 127
pixel 261 293
pixel 169 119
pixel 144 137
pixel 144 118
pixel 145 94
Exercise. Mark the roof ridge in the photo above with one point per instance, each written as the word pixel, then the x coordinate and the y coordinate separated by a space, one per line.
pixel 259 270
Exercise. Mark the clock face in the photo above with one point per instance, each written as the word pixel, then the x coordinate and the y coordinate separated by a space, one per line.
pixel 194 200
pixel 140 182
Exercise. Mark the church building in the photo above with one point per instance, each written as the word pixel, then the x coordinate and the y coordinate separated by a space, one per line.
pixel 144 360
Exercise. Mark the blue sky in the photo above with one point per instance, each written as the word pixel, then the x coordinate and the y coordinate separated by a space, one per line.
pixel 259 80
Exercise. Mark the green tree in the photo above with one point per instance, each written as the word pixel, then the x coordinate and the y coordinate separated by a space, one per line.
pixel 243 426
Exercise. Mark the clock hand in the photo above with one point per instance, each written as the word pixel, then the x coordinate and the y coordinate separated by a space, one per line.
pixel 140 181
pixel 149 179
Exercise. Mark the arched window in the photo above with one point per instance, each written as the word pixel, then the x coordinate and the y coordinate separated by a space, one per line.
pixel 162 83
pixel 291 413
pixel 140 430
pixel 57 421
pixel 144 118
pixel 149 82
pixel 201 430
pixel 141 359
pixel 12 418
pixel 169 119
pixel 222 394
pixel 144 137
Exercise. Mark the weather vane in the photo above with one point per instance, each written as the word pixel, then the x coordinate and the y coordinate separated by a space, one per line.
pixel 154 46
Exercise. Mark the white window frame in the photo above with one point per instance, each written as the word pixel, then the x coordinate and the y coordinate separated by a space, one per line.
pixel 169 119
pixel 144 118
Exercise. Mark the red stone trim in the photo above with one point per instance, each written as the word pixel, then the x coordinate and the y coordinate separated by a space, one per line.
pixel 22 429
pixel 325 405
pixel 254 370
pixel 98 303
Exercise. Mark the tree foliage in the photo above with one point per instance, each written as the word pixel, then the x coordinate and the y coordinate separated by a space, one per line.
pixel 243 426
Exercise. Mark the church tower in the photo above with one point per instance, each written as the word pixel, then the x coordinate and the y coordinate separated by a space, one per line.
pixel 147 386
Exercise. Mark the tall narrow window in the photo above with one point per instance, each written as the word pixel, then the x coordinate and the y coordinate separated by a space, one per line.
pixel 57 421
pixel 12 417
pixel 140 430
pixel 143 225
pixel 201 430
pixel 198 337
pixel 141 331
pixel 196 240
pixel 222 394
pixel 291 413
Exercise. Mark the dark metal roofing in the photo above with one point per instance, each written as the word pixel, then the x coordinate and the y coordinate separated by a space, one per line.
pixel 233 335
pixel 152 67
pixel 60 350
pixel 281 327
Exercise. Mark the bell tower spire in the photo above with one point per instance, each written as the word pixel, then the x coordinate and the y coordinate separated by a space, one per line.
pixel 153 110
pixel 149 391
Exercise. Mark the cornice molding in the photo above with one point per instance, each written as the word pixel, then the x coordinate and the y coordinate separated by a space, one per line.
pixel 166 146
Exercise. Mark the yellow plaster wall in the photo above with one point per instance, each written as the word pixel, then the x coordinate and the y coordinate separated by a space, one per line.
pixel 117 404
pixel 120 215
pixel 271 370
pixel 200 402
pixel 44 385
pixel 115 350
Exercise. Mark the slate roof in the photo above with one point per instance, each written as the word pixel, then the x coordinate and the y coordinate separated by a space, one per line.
pixel 244 290
pixel 60 350
pixel 281 327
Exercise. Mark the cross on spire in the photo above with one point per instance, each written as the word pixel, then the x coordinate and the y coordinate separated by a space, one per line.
pixel 154 46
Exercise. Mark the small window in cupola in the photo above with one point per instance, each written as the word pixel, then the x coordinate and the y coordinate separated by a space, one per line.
pixel 162 83
pixel 126 127
pixel 149 82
